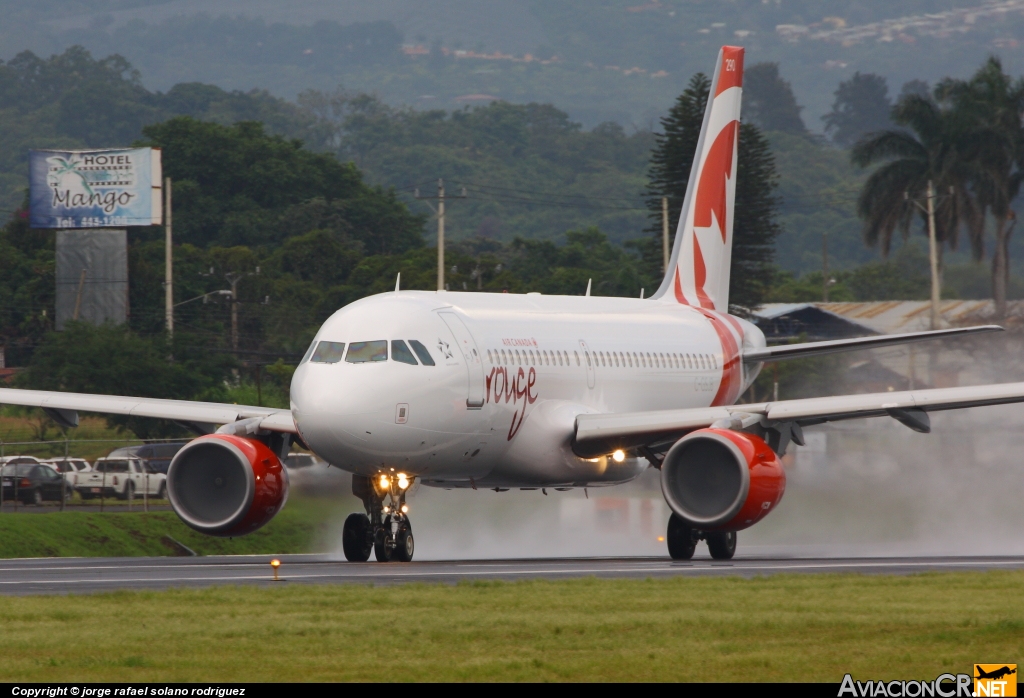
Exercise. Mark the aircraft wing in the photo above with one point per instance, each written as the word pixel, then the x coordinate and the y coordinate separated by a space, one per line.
pixel 598 434
pixel 800 351
pixel 64 409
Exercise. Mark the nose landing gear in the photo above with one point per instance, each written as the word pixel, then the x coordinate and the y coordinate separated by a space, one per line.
pixel 385 527
pixel 682 541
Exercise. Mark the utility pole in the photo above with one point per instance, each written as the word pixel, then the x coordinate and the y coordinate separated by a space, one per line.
pixel 439 212
pixel 933 256
pixel 933 248
pixel 664 231
pixel 168 261
pixel 233 279
pixel 440 234
pixel 824 267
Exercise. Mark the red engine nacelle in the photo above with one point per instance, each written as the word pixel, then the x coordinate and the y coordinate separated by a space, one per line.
pixel 722 480
pixel 225 485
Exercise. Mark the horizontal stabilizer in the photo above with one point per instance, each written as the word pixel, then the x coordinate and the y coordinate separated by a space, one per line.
pixel 801 351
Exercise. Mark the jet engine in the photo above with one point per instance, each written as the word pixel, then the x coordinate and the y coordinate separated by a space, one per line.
pixel 225 485
pixel 722 480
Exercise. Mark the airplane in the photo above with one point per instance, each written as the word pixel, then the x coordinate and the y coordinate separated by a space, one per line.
pixel 995 674
pixel 530 391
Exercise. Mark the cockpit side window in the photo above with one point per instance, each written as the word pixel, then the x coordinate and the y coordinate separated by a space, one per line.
pixel 421 351
pixel 328 353
pixel 309 352
pixel 400 352
pixel 363 352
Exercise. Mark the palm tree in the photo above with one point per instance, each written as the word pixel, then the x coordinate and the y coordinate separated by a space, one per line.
pixel 935 148
pixel 993 102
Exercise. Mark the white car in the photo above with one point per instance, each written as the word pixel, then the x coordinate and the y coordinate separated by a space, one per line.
pixel 69 468
pixel 122 478
pixel 312 476
pixel 17 460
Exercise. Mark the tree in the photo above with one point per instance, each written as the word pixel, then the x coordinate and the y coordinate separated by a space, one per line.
pixel 935 149
pixel 862 106
pixel 112 360
pixel 992 103
pixel 768 100
pixel 755 227
pixel 239 185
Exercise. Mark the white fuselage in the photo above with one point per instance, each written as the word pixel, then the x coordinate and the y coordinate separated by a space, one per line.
pixel 512 373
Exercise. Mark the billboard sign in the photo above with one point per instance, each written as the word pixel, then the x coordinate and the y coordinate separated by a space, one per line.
pixel 95 188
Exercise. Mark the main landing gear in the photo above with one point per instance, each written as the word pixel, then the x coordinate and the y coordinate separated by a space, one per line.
pixel 682 541
pixel 384 528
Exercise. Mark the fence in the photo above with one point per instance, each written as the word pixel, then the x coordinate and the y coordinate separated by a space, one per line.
pixel 86 449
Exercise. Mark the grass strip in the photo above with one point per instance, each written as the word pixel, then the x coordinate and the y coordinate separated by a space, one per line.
pixel 778 628
pixel 304 525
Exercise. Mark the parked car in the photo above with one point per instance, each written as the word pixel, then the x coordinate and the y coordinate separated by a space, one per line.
pixel 294 461
pixel 309 475
pixel 157 456
pixel 32 483
pixel 69 468
pixel 17 460
pixel 121 478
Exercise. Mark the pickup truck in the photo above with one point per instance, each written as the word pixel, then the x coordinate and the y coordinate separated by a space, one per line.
pixel 122 478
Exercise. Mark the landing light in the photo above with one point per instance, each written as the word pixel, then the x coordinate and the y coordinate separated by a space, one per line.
pixel 384 482
pixel 403 481
pixel 405 508
pixel 619 456
pixel 387 510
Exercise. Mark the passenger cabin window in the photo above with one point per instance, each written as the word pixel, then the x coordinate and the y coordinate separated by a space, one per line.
pixel 367 352
pixel 328 353
pixel 400 353
pixel 421 351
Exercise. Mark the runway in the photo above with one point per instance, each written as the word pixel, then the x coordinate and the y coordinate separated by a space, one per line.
pixel 79 575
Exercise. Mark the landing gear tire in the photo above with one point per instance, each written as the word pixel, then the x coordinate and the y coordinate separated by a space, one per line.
pixel 356 540
pixel 381 551
pixel 404 544
pixel 681 542
pixel 722 546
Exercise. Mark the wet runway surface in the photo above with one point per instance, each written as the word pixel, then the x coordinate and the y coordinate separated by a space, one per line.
pixel 77 575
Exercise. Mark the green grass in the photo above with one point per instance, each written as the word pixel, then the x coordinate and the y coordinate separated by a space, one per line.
pixel 304 525
pixel 780 628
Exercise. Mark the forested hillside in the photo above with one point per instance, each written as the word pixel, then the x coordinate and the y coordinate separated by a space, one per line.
pixel 529 170
pixel 598 60
pixel 73 100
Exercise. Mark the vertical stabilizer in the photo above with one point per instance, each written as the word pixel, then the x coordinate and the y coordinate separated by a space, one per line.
pixel 698 270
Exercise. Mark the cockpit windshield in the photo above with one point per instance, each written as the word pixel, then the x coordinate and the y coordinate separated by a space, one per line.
pixel 363 352
pixel 400 352
pixel 421 351
pixel 309 353
pixel 328 352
